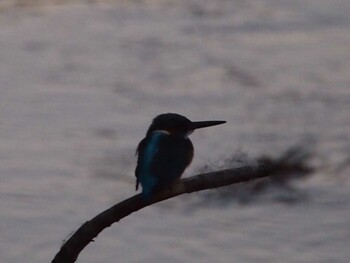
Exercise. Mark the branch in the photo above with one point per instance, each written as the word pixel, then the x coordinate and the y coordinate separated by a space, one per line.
pixel 293 161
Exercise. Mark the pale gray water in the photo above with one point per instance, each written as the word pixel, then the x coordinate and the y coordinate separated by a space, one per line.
pixel 81 83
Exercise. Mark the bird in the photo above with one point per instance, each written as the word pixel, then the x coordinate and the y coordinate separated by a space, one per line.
pixel 166 151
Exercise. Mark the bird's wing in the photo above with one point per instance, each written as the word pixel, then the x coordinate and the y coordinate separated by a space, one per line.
pixel 140 155
pixel 147 152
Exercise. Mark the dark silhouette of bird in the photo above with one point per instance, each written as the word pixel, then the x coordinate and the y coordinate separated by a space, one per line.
pixel 166 151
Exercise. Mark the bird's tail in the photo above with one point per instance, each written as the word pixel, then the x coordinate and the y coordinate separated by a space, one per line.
pixel 137 184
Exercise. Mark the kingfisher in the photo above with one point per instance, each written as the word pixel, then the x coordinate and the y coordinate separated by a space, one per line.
pixel 166 151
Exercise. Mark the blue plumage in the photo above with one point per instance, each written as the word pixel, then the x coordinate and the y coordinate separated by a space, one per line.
pixel 146 175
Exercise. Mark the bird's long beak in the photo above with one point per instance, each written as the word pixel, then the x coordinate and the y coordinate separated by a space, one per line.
pixel 202 124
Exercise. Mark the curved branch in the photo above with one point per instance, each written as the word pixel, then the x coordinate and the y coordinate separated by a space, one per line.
pixel 291 161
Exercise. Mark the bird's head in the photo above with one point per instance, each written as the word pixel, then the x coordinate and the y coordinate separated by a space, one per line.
pixel 176 124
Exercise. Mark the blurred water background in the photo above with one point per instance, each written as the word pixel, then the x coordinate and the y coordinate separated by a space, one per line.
pixel 80 83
